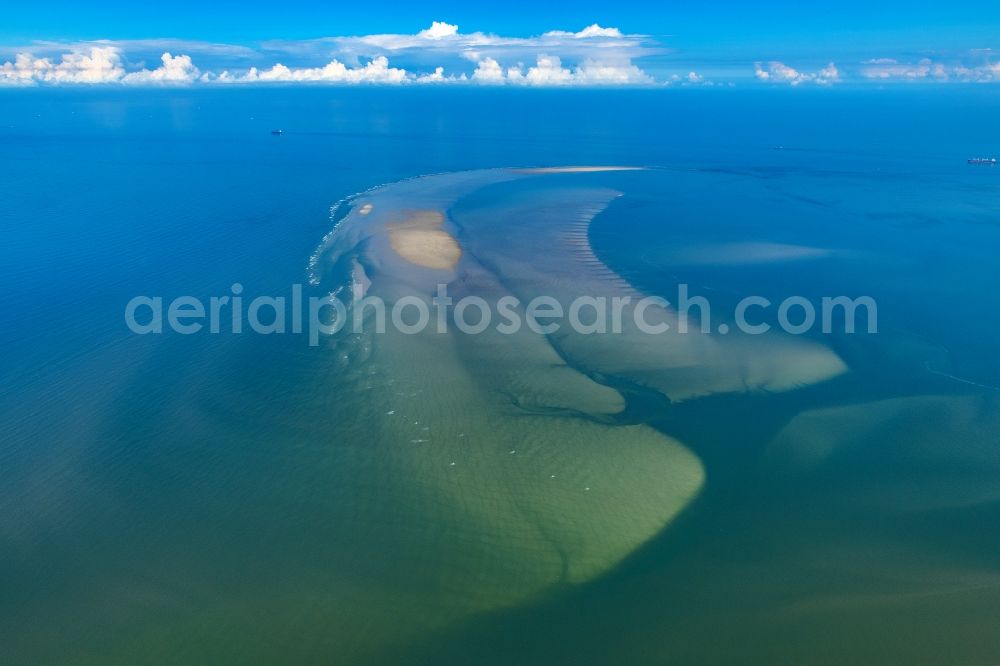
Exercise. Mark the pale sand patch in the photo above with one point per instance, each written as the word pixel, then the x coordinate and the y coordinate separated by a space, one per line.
pixel 579 169
pixel 365 209
pixel 420 240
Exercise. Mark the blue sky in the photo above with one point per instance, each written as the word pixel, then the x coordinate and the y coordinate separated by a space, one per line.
pixel 724 42
pixel 694 22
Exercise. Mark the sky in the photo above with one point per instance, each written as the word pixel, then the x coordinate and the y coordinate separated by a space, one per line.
pixel 585 43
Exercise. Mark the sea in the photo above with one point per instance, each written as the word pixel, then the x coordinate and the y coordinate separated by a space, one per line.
pixel 819 496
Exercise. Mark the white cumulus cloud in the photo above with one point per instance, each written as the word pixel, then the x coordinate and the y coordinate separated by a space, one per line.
pixel 444 44
pixel 438 30
pixel 489 71
pixel 593 56
pixel 549 71
pixel 605 73
pixel 98 64
pixel 779 72
pixel 590 31
pixel 925 69
pixel 175 69
pixel 438 76
pixel 376 70
pixel 887 68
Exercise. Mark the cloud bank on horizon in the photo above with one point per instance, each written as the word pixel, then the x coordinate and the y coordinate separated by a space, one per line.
pixel 440 54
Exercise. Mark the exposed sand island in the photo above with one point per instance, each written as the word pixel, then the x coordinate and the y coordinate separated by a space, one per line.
pixel 420 240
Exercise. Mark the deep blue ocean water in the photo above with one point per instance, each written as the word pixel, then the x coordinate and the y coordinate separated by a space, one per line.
pixel 183 497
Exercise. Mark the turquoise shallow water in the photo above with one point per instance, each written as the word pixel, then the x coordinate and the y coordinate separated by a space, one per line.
pixel 245 497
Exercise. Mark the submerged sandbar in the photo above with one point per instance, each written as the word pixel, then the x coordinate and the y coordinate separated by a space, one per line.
pixel 578 169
